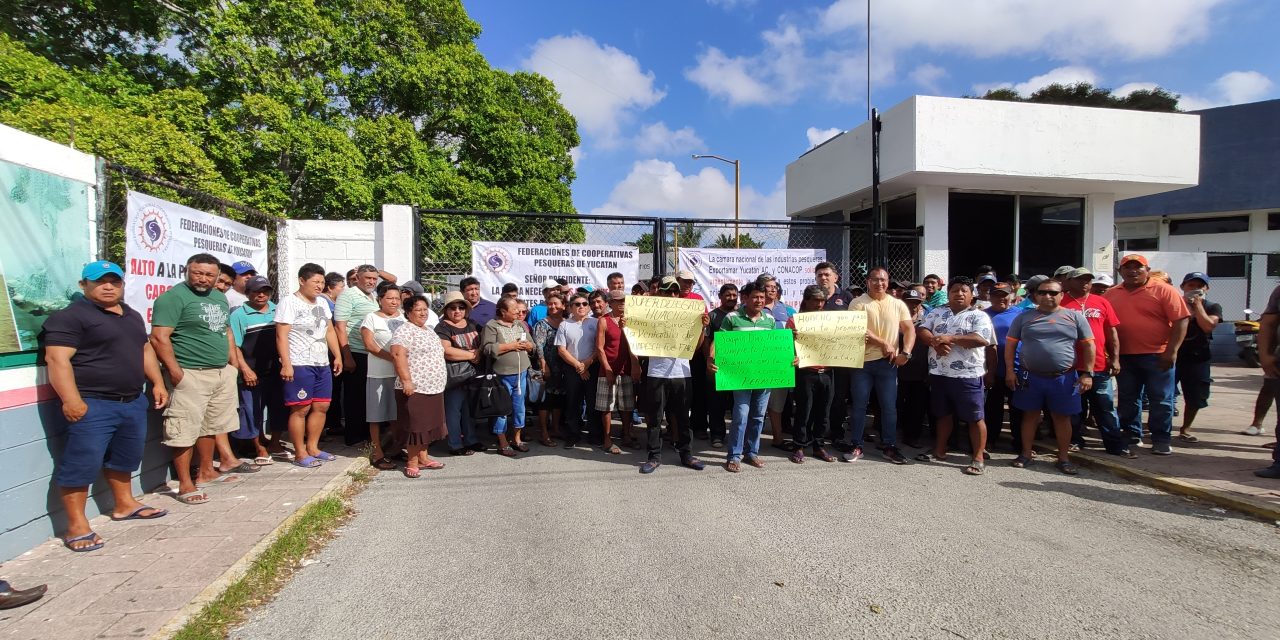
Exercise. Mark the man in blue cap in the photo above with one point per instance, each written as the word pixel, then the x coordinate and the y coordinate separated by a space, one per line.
pixel 1192 368
pixel 98 358
pixel 237 295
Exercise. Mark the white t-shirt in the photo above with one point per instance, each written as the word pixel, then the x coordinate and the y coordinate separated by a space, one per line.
pixel 382 329
pixel 669 368
pixel 578 338
pixel 308 324
pixel 235 299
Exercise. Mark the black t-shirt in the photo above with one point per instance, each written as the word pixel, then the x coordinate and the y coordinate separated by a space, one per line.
pixel 109 347
pixel 1195 347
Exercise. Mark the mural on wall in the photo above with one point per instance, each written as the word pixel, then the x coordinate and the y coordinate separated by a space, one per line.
pixel 44 246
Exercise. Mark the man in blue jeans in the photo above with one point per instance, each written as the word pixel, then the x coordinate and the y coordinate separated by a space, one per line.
pixel 887 319
pixel 1153 323
pixel 748 405
pixel 1106 341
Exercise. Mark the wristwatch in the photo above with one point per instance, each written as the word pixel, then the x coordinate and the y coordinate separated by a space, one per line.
pixel 906 355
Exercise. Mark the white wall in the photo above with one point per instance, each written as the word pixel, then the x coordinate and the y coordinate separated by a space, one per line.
pixel 341 245
pixel 932 213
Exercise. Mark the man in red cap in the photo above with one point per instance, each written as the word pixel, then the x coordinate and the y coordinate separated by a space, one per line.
pixel 1153 323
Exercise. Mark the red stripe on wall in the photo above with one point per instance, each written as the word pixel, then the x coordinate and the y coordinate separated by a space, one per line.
pixel 27 395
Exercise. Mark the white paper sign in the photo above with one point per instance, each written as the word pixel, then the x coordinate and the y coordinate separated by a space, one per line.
pixel 529 264
pixel 714 267
pixel 161 235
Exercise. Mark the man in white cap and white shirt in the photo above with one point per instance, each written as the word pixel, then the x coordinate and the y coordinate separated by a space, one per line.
pixel 1100 284
pixel 550 289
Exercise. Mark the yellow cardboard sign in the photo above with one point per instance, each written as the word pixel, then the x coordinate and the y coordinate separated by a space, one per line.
pixel 663 327
pixel 831 338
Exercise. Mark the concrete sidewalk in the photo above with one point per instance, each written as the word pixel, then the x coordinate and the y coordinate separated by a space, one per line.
pixel 1220 467
pixel 154 572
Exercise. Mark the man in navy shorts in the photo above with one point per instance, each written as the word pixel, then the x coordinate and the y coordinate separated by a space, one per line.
pixel 958 335
pixel 98 357
pixel 1053 340
pixel 305 340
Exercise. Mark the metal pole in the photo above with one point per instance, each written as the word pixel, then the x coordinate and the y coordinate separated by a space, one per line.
pixel 737 237
pixel 876 235
pixel 870 111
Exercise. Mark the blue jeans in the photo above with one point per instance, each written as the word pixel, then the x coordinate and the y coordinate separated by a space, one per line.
pixel 1102 407
pixel 517 384
pixel 457 417
pixel 882 377
pixel 748 421
pixel 1141 377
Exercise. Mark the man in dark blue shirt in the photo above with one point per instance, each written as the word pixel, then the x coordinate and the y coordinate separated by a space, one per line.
pixel 98 359
pixel 1002 312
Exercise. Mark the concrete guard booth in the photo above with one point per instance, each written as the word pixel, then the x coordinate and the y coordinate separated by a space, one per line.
pixel 1022 187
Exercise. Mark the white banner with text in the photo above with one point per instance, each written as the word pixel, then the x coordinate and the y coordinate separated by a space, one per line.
pixel 529 264
pixel 714 267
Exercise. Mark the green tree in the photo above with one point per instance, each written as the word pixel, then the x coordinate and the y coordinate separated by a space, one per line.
pixel 745 241
pixel 1083 94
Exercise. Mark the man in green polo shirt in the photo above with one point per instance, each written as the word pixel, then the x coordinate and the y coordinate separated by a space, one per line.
pixel 748 405
pixel 190 337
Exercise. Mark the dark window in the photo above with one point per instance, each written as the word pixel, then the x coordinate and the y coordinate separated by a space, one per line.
pixel 1273 265
pixel 1197 226
pixel 1273 221
pixel 900 213
pixel 1139 244
pixel 1226 266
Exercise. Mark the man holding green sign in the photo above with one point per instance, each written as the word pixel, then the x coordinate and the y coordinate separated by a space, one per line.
pixel 750 357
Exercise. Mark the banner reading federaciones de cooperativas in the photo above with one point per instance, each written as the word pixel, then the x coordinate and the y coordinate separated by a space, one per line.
pixel 528 264
pixel 161 235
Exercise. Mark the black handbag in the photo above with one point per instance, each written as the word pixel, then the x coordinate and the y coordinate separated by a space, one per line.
pixel 460 374
pixel 489 397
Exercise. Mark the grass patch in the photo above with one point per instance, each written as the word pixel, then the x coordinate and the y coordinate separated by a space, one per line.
pixel 271 570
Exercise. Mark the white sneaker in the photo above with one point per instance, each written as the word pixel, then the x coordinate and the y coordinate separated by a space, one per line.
pixel 1252 431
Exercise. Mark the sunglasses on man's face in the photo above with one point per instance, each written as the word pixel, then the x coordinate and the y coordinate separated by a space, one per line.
pixel 1049 293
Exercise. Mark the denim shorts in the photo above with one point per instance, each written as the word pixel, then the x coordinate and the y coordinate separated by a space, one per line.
pixel 1059 393
pixel 309 384
pixel 960 397
pixel 111 435
pixel 1195 378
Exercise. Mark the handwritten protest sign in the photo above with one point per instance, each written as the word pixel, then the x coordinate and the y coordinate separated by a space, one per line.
pixel 754 360
pixel 663 327
pixel 831 338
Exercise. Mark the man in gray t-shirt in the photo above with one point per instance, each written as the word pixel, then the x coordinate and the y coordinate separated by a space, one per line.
pixel 1053 339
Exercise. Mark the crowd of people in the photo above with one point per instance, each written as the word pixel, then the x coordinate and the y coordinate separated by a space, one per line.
pixel 247 376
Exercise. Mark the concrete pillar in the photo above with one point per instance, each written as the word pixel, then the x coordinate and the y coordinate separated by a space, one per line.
pixel 1099 232
pixel 932 214
pixel 394 241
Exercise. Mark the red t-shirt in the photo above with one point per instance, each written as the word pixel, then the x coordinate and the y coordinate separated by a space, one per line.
pixel 1101 316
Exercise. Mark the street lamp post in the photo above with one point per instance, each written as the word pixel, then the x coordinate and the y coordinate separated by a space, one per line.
pixel 737 182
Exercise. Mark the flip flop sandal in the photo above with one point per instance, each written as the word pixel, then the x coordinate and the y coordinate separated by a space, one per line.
pixel 308 462
pixel 1189 439
pixel 976 468
pixel 462 452
pixel 136 514
pixel 263 461
pixel 412 472
pixel 612 449
pixel 225 478
pixel 283 456
pixel 1020 462
pixel 67 542
pixel 508 452
pixel 1067 467
pixel 243 467
pixel 433 465
pixel 326 456
pixel 547 442
pixel 194 497
pixel 927 457
pixel 382 464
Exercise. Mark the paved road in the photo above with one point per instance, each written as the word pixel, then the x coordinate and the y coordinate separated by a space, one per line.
pixel 581 546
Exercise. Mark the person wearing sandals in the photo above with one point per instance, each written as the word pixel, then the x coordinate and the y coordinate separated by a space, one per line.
pixel 380 392
pixel 420 381
pixel 254 330
pixel 505 340
pixel 460 339
pixel 614 389
pixel 548 365
pixel 305 337
pixel 98 359
pixel 1053 340
pixel 576 344
pixel 1192 369
pixel 812 391
pixel 958 335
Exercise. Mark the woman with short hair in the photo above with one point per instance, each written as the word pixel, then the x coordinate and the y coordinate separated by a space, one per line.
pixel 421 377
pixel 460 339
pixel 380 384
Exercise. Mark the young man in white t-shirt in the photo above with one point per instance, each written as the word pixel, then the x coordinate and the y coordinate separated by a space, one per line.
pixel 305 338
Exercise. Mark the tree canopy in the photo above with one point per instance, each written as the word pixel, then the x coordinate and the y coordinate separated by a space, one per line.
pixel 745 241
pixel 301 108
pixel 1083 94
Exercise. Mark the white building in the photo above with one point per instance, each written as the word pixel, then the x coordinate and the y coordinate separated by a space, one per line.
pixel 1022 187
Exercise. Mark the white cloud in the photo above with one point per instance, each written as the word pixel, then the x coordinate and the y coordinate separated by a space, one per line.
pixel 657 139
pixel 818 136
pixel 927 76
pixel 1124 90
pixel 577 154
pixel 1064 30
pixel 1235 87
pixel 601 85
pixel 657 187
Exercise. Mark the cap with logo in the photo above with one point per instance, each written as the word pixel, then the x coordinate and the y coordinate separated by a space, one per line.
pixel 911 295
pixel 1196 275
pixel 257 283
pixel 1134 257
pixel 1002 288
pixel 1104 280
pixel 243 267
pixel 96 270
pixel 1079 272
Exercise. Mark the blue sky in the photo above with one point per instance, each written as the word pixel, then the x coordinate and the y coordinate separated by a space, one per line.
pixel 762 81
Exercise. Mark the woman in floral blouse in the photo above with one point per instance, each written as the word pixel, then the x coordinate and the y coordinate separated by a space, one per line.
pixel 420 382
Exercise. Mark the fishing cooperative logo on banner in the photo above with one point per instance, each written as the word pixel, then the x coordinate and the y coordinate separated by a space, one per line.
pixel 153 228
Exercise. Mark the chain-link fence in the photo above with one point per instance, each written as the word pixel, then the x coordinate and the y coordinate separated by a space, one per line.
pixel 446 236
pixel 119 180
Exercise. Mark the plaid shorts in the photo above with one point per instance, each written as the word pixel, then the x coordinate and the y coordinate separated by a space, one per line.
pixel 620 396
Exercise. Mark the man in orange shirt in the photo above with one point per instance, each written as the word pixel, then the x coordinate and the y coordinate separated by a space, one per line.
pixel 1153 323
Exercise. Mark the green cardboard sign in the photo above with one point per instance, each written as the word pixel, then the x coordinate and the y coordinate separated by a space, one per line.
pixel 754 360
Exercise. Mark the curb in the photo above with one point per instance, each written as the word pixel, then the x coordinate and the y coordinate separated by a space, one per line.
pixel 241 566
pixel 1251 506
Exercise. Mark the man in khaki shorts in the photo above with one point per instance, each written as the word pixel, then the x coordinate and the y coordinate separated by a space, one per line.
pixel 190 337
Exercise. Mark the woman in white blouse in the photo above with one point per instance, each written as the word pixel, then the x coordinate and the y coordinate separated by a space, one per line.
pixel 380 389
pixel 421 377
